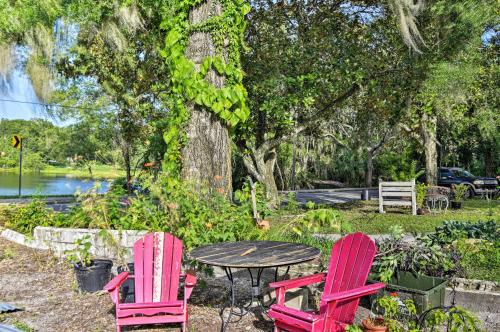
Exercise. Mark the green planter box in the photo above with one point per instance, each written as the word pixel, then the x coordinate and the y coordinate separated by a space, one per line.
pixel 427 292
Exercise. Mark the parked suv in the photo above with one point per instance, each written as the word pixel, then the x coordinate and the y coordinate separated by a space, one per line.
pixel 478 185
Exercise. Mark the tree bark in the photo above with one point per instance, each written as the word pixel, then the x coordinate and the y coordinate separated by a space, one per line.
pixel 127 163
pixel 489 160
pixel 428 125
pixel 369 169
pixel 260 164
pixel 372 153
pixel 206 157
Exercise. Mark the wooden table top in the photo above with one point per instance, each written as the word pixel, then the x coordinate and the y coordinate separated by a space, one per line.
pixel 254 254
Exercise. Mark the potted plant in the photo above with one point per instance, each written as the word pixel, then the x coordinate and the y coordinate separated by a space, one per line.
pixel 459 192
pixel 91 274
pixel 127 293
pixel 375 324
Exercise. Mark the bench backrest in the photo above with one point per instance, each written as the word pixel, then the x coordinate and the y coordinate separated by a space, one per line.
pixel 397 194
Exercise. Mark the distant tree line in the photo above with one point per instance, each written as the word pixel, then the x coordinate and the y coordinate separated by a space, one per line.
pixel 44 143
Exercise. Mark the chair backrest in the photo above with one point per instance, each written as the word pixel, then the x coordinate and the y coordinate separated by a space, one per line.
pixel 397 194
pixel 350 263
pixel 157 267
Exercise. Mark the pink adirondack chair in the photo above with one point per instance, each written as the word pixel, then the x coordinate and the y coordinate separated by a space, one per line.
pixel 350 264
pixel 157 268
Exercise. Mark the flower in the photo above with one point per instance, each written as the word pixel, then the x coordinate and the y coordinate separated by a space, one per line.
pixel 173 206
pixel 393 294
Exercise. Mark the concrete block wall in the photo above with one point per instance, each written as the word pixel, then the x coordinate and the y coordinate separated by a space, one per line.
pixel 61 239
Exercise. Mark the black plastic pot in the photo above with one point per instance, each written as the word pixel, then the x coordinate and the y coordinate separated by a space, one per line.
pixel 93 278
pixel 455 205
pixel 127 291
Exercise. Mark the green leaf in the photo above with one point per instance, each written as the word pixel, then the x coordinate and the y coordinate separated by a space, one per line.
pixel 245 9
pixel 206 100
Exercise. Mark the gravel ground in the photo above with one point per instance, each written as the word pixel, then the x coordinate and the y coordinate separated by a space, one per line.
pixel 46 288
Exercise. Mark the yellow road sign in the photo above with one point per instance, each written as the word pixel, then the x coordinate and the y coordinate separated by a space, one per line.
pixel 17 141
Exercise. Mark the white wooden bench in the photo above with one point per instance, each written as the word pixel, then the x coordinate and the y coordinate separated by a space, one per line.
pixel 397 194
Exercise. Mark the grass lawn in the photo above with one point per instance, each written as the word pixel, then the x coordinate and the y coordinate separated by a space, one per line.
pixel 364 216
pixel 100 171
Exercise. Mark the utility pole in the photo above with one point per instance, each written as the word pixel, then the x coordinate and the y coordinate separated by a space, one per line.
pixel 17 143
pixel 21 166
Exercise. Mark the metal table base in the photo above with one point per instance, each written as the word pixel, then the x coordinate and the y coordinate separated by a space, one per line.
pixel 256 299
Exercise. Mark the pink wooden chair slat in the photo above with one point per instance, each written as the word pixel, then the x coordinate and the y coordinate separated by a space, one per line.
pixel 350 264
pixel 157 263
pixel 167 266
pixel 148 268
pixel 139 270
pixel 176 268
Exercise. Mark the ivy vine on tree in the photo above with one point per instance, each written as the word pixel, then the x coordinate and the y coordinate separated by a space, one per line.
pixel 189 84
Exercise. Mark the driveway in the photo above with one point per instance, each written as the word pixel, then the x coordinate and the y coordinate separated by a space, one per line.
pixel 332 196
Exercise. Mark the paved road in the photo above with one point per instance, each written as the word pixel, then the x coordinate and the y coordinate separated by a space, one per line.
pixel 59 204
pixel 318 196
pixel 332 196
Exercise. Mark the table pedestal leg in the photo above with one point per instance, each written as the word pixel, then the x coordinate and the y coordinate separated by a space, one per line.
pixel 256 295
pixel 243 309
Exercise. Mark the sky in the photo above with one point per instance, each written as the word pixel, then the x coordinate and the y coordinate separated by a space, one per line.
pixel 19 88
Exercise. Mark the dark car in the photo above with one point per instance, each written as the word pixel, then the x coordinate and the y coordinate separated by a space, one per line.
pixel 478 185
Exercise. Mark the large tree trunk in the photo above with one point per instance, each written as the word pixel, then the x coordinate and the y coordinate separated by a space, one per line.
pixel 206 158
pixel 261 166
pixel 430 146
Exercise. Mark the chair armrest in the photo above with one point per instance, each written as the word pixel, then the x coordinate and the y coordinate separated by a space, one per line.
pixel 189 283
pixel 190 280
pixel 298 282
pixel 353 293
pixel 116 282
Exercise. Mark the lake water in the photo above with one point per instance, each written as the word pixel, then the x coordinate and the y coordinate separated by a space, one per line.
pixel 46 184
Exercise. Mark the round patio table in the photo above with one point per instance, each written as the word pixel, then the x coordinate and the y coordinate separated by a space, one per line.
pixel 256 255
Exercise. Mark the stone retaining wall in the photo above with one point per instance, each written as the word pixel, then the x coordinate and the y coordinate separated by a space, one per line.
pixel 61 239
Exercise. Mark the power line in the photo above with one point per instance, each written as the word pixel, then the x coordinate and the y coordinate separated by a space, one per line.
pixel 47 105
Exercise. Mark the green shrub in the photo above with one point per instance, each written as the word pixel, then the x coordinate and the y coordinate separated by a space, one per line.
pixel 459 192
pixel 453 230
pixel 479 259
pixel 25 218
pixel 316 221
pixel 401 316
pixel 465 249
pixel 200 218
pixel 421 256
pixel 420 193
